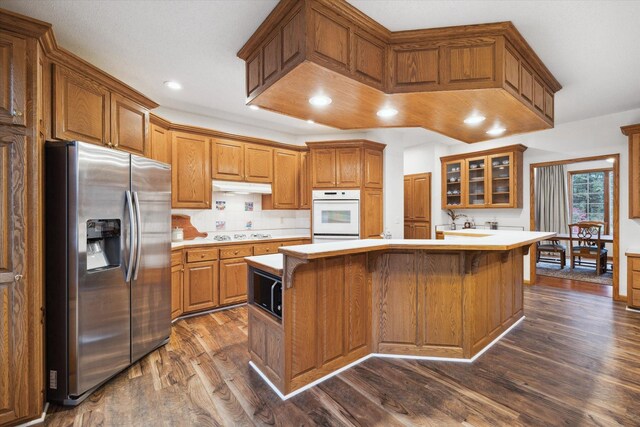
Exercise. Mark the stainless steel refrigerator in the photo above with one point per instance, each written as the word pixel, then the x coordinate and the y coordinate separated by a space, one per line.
pixel 107 264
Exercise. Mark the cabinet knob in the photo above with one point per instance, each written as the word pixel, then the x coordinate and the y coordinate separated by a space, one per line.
pixel 18 277
pixel 116 144
pixel 201 255
pixel 16 113
pixel 235 252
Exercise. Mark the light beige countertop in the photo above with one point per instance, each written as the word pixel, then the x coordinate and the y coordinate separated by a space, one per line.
pixel 458 240
pixel 207 241
pixel 272 263
pixel 633 251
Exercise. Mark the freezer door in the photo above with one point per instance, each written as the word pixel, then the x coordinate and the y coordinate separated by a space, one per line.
pixel 151 282
pixel 98 227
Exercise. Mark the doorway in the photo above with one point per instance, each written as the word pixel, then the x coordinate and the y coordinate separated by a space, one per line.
pixel 584 174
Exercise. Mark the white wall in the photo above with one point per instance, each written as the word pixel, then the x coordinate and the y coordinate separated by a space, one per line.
pixel 595 136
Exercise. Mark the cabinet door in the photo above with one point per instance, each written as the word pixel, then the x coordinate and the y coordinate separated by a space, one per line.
pixel 408 197
pixel 233 281
pixel 500 173
pixel 305 181
pixel 453 190
pixel 200 286
pixel 476 181
pixel 129 125
pixel 408 230
pixel 13 79
pixel 160 143
pixel 323 168
pixel 258 163
pixel 81 109
pixel 190 172
pixel 227 159
pixel 285 179
pixel 421 197
pixel 372 211
pixel 634 175
pixel 177 277
pixel 421 230
pixel 348 167
pixel 373 169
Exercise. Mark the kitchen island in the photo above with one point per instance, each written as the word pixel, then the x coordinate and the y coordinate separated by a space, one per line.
pixel 346 301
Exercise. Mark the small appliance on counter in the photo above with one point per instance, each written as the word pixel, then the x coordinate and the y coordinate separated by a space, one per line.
pixel 177 234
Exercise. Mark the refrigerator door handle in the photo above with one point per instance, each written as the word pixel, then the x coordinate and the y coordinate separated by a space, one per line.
pixel 131 237
pixel 139 235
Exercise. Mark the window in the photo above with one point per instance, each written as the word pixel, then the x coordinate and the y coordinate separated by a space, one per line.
pixel 590 194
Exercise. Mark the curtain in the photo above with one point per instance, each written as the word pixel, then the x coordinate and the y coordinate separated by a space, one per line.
pixel 552 212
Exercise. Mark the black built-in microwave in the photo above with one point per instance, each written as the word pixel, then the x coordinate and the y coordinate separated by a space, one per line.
pixel 267 291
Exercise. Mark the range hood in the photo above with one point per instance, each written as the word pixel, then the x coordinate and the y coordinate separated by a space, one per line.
pixel 241 187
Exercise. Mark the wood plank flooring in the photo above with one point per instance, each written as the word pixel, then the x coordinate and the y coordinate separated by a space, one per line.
pixel 575 360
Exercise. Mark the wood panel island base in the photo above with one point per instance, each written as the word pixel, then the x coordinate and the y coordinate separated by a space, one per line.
pixel 344 302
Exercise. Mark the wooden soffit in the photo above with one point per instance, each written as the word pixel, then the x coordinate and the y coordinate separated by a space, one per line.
pixel 435 78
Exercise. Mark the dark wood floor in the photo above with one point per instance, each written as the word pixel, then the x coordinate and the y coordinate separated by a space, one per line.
pixel 575 285
pixel 575 360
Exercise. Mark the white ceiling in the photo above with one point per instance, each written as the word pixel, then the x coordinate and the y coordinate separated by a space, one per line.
pixel 590 46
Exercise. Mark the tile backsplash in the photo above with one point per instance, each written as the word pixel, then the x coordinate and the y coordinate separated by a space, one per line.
pixel 243 212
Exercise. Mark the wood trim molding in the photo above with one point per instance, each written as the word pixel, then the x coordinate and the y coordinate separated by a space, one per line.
pixel 157 120
pixel 346 143
pixel 616 214
pixel 290 265
pixel 517 147
pixel 630 129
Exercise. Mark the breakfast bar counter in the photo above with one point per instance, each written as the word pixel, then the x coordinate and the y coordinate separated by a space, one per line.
pixel 344 302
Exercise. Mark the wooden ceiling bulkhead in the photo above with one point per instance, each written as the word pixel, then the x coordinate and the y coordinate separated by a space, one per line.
pixel 434 78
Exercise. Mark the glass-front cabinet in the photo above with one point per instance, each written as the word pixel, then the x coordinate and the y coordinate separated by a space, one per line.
pixel 500 177
pixel 452 184
pixel 484 179
pixel 476 181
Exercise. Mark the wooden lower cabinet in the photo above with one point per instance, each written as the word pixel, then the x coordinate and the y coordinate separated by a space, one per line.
pixel 177 280
pixel 417 230
pixel 233 281
pixel 200 286
pixel 633 280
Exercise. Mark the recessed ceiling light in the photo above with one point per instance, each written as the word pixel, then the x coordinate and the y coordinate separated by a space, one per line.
pixel 496 131
pixel 254 107
pixel 387 112
pixel 320 100
pixel 173 85
pixel 474 119
pixel 310 122
pixel 611 160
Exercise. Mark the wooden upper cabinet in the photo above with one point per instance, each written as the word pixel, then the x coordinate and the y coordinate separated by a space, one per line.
pixel 323 168
pixel 286 179
pixel 348 167
pixel 81 108
pixel 258 163
pixel 160 143
pixel 190 172
pixel 227 159
pixel 373 170
pixel 305 181
pixel 484 179
pixel 13 79
pixel 633 132
pixel 129 125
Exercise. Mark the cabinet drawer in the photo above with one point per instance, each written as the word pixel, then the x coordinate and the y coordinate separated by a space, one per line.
pixel 634 264
pixel 176 258
pixel 267 248
pixel 236 252
pixel 197 255
pixel 635 281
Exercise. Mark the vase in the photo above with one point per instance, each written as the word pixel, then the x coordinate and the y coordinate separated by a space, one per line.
pixel 453 225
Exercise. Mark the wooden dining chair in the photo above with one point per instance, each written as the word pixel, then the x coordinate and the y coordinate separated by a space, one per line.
pixel 588 244
pixel 552 246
